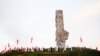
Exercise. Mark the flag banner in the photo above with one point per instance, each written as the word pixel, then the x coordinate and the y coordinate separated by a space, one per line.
pixel 17 42
pixel 31 39
pixel 8 45
pixel 81 39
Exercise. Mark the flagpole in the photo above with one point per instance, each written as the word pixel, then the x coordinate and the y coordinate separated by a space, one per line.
pixel 31 42
pixel 17 42
pixel 8 46
pixel 81 41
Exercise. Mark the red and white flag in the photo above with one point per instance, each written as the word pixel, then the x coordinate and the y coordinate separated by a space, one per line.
pixel 81 39
pixel 96 48
pixel 8 45
pixel 17 42
pixel 31 39
pixel 5 48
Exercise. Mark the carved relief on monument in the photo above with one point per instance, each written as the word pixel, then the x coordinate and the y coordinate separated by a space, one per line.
pixel 61 34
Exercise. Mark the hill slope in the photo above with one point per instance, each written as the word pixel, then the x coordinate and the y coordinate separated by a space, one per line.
pixel 75 51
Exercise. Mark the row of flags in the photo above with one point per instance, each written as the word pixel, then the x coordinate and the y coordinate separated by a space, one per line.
pixel 81 40
pixel 18 42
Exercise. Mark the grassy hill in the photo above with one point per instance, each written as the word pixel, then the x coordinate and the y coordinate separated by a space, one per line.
pixel 75 51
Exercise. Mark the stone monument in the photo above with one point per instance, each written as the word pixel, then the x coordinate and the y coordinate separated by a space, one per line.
pixel 61 34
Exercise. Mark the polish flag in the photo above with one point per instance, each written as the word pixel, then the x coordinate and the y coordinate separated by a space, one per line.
pixel 17 42
pixel 81 39
pixel 31 39
pixel 96 48
pixel 8 45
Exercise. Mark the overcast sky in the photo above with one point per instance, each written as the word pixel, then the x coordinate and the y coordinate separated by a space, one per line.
pixel 23 19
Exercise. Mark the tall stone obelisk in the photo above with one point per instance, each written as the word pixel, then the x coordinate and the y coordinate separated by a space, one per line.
pixel 61 34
